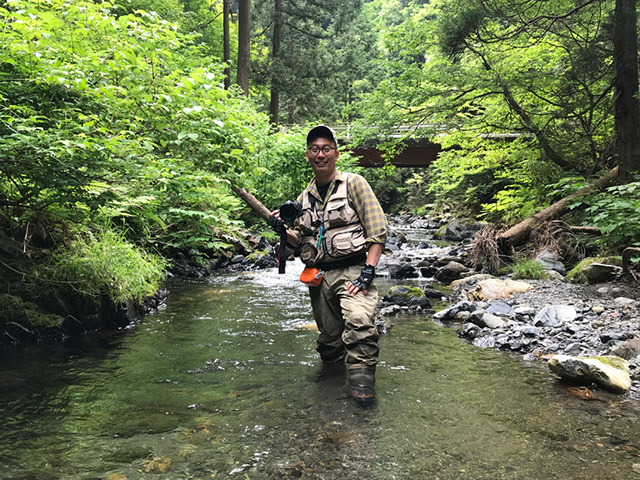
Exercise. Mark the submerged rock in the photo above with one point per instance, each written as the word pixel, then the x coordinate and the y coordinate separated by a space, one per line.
pixel 609 372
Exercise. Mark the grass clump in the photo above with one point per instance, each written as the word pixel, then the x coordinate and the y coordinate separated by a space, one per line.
pixel 106 264
pixel 527 269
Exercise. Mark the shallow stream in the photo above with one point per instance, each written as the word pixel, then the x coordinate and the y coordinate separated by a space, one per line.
pixel 224 384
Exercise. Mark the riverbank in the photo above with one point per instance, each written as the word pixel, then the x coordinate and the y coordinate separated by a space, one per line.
pixel 532 319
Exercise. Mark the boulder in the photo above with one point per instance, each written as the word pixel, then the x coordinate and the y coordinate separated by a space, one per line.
pixel 458 230
pixel 608 372
pixel 452 311
pixel 450 272
pixel 488 320
pixel 550 261
pixel 594 270
pixel 493 288
pixel 407 296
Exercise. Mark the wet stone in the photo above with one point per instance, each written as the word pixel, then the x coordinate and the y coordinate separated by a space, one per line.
pixel 501 309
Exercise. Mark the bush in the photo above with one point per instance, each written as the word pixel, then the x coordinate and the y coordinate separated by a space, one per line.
pixel 105 264
pixel 527 269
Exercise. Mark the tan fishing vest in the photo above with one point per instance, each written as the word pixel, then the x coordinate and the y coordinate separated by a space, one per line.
pixel 332 234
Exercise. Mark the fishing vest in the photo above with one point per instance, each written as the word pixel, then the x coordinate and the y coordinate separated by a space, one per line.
pixel 333 234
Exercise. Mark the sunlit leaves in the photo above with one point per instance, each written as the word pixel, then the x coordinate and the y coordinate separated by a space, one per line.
pixel 118 118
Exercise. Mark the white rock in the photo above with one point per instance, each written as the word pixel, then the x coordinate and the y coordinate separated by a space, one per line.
pixel 609 372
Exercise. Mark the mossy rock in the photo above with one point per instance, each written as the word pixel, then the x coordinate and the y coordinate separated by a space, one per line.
pixel 14 309
pixel 253 256
pixel 578 273
pixel 407 296
pixel 595 270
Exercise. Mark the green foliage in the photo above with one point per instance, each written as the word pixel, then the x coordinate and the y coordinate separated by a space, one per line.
pixel 282 171
pixel 517 100
pixel 119 117
pixel 615 212
pixel 104 263
pixel 527 269
pixel 327 55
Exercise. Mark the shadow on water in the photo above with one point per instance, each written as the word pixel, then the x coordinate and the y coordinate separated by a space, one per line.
pixel 225 383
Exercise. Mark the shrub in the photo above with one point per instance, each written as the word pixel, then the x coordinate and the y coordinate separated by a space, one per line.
pixel 106 264
pixel 527 269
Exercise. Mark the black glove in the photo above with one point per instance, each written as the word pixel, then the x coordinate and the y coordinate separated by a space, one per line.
pixel 367 275
pixel 277 225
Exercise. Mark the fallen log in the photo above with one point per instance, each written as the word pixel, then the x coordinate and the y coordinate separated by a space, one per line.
pixel 519 233
pixel 578 229
pixel 253 202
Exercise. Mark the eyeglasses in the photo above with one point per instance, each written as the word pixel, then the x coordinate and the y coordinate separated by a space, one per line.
pixel 315 150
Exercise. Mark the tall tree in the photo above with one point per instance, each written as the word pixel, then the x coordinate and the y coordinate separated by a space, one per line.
pixel 226 50
pixel 244 44
pixel 317 51
pixel 627 107
pixel 274 104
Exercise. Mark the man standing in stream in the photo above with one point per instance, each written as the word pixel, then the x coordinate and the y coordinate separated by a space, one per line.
pixel 340 231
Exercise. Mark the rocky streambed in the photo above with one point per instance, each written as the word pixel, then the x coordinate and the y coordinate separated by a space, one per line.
pixel 538 320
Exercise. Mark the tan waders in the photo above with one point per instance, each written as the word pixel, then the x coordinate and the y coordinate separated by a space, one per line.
pixel 347 328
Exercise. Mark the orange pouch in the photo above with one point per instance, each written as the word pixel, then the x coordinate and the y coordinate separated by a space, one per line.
pixel 311 276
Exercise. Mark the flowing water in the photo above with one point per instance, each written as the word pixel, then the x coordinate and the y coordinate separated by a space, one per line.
pixel 224 383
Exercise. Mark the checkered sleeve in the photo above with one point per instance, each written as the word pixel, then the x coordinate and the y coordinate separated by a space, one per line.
pixel 368 209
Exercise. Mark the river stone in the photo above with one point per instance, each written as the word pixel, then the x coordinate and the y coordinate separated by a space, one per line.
pixel 627 350
pixel 530 331
pixel 452 311
pixel 407 296
pixel 470 330
pixel 624 302
pixel 555 316
pixel 493 288
pixel 450 272
pixel 492 321
pixel 550 261
pixel 609 372
pixel 500 308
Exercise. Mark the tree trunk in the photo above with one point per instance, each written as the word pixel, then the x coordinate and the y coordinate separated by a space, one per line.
pixel 525 119
pixel 244 44
pixel 519 233
pixel 275 90
pixel 226 51
pixel 627 107
pixel 253 202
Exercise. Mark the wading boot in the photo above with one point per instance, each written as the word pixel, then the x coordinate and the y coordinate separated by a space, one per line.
pixel 362 380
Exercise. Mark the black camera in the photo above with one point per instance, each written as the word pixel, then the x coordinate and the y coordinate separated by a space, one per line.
pixel 290 211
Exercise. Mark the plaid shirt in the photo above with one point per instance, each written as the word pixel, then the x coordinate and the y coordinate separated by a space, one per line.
pixel 363 201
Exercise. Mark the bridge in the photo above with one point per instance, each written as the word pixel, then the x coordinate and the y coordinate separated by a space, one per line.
pixel 416 152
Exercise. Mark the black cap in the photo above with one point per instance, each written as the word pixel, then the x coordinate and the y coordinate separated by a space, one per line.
pixel 321 131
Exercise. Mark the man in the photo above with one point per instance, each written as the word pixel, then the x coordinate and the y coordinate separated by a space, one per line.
pixel 341 231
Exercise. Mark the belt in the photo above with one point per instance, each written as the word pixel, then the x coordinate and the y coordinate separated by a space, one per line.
pixel 347 262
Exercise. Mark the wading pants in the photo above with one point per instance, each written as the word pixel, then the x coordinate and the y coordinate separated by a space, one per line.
pixel 346 322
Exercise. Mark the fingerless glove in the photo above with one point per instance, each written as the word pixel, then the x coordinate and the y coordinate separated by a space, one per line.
pixel 367 275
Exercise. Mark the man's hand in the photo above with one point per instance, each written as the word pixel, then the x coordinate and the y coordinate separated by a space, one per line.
pixel 277 225
pixel 367 275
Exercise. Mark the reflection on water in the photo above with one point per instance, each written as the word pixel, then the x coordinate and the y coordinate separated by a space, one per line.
pixel 225 383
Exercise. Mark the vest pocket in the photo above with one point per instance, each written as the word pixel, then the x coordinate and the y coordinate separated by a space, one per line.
pixel 309 254
pixel 336 213
pixel 346 243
